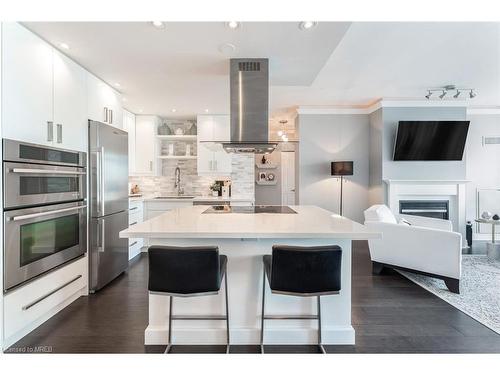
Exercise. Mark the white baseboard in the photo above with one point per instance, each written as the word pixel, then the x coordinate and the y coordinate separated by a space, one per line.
pixel 241 336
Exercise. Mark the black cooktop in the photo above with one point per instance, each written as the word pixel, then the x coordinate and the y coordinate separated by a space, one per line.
pixel 249 210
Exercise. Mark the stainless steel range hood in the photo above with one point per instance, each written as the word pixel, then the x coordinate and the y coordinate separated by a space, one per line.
pixel 249 93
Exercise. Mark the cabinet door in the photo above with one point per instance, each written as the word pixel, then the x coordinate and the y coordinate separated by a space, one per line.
pixel 222 133
pixel 129 126
pixel 26 85
pixel 221 128
pixel 100 99
pixel 95 105
pixel 205 125
pixel 222 161
pixel 115 117
pixel 145 140
pixel 70 104
pixel 205 159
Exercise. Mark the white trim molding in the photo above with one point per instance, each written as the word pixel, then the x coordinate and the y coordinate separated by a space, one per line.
pixel 395 103
pixel 483 111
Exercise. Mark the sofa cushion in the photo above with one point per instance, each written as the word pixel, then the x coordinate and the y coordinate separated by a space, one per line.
pixel 380 212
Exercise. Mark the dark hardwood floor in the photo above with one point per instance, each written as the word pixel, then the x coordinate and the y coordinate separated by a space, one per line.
pixel 389 313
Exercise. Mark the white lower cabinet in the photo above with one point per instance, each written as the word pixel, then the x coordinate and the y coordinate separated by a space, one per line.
pixel 26 307
pixel 135 216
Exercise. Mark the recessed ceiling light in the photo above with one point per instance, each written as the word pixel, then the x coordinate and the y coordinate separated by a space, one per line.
pixel 174 110
pixel 124 99
pixel 64 45
pixel 158 24
pixel 206 110
pixel 233 24
pixel 227 48
pixel 117 84
pixel 307 25
pixel 140 110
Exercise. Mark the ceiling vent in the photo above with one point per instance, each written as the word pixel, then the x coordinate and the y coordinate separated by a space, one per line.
pixel 491 141
pixel 249 66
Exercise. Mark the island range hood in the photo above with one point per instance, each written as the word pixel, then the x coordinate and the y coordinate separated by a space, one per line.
pixel 249 95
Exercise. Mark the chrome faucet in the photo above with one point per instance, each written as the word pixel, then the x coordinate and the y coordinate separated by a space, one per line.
pixel 177 183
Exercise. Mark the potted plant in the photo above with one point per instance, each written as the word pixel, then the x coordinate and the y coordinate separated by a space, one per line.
pixel 215 188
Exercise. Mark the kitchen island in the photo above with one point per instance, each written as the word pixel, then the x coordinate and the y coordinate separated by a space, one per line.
pixel 245 237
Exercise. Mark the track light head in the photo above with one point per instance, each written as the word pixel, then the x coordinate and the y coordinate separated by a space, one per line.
pixel 472 94
pixel 457 94
pixel 442 95
pixel 429 94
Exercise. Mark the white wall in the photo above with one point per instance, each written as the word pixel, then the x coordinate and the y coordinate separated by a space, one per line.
pixel 418 170
pixel 376 189
pixel 482 162
pixel 326 138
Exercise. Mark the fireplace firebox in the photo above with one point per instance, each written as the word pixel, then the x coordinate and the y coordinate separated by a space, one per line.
pixel 430 208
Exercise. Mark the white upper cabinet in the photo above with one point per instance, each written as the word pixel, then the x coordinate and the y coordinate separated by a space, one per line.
pixel 145 144
pixel 129 126
pixel 43 98
pixel 212 159
pixel 27 82
pixel 104 103
pixel 70 104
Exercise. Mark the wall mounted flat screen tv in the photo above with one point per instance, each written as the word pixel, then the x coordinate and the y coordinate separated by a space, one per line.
pixel 430 140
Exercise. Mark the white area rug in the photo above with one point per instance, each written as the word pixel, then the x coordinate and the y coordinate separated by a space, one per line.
pixel 479 289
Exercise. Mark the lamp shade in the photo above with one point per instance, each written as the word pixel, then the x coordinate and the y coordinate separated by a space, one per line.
pixel 342 168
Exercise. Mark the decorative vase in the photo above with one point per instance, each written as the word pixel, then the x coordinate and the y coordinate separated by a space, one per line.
pixel 486 215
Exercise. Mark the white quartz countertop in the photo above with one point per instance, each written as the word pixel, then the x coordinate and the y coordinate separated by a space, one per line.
pixel 190 222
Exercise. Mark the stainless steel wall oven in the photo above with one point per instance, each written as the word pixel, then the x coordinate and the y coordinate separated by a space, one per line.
pixel 45 209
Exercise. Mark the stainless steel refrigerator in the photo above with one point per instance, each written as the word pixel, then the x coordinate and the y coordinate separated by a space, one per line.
pixel 108 164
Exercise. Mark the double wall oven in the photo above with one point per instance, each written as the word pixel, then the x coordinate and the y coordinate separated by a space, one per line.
pixel 45 209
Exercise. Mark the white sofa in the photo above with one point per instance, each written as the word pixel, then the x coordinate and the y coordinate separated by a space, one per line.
pixel 426 245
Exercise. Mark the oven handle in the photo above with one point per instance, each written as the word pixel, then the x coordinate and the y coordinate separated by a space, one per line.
pixel 44 171
pixel 39 214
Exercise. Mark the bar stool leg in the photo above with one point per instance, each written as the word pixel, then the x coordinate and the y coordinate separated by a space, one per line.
pixel 227 313
pixel 319 327
pixel 169 344
pixel 262 315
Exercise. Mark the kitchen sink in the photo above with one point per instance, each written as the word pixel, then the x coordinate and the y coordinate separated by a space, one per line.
pixel 176 197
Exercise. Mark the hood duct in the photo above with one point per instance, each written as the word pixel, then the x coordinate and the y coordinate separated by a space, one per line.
pixel 249 95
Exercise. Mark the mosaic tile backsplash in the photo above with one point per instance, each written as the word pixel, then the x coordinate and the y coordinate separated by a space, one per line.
pixel 242 177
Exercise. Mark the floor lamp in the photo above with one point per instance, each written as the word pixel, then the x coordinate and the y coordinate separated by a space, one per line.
pixel 342 168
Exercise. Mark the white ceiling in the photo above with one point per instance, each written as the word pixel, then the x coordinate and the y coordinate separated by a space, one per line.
pixel 334 63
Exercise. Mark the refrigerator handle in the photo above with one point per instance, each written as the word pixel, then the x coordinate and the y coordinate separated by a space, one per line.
pixel 100 234
pixel 101 178
pixel 99 165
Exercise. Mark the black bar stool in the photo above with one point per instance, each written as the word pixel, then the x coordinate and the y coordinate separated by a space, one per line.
pixel 187 272
pixel 301 271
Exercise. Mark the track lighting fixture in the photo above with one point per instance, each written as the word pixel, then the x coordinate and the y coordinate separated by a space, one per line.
pixel 445 90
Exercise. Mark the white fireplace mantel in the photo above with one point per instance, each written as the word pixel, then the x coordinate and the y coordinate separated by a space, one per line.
pixel 426 182
pixel 451 190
